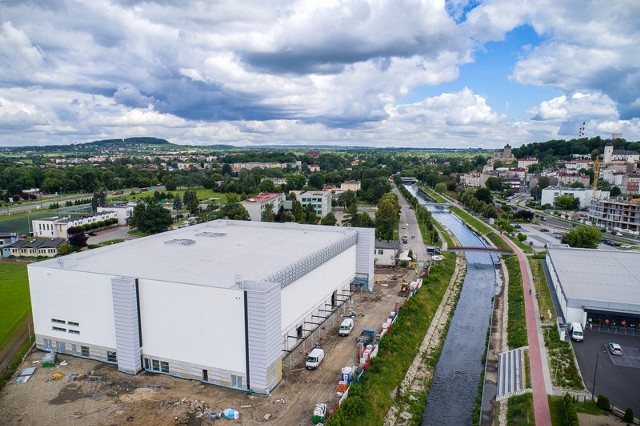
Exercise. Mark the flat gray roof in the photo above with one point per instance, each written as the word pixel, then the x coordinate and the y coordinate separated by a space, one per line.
pixel 211 253
pixel 611 276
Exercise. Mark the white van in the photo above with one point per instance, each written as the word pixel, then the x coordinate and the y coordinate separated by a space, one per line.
pixel 346 327
pixel 576 332
pixel 314 358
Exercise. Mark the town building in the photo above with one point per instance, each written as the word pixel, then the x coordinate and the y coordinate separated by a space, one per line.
pixel 619 155
pixel 631 184
pixel 386 252
pixel 57 227
pixel 351 185
pixel 550 193
pixel 565 178
pixel 123 212
pixel 6 239
pixel 221 302
pixel 256 205
pixel 526 162
pixel 599 288
pixel 320 200
pixel 35 248
pixel 616 214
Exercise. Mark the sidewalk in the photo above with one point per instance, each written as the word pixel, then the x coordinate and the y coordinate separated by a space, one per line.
pixel 538 382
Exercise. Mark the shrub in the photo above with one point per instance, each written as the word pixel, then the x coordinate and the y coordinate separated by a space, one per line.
pixel 628 415
pixel 603 403
pixel 571 415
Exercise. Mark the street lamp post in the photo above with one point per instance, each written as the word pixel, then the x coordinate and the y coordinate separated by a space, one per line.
pixel 593 391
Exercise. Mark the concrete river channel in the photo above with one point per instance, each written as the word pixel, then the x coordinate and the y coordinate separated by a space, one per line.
pixel 457 373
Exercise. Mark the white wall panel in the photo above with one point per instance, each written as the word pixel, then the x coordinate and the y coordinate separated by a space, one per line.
pixel 305 294
pixel 195 324
pixel 75 296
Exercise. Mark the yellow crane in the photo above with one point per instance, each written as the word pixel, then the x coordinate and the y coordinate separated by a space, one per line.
pixel 596 174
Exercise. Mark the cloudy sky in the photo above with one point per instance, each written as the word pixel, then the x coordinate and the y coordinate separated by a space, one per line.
pixel 392 73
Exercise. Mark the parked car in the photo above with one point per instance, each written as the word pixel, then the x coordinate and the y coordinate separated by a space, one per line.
pixel 544 230
pixel 516 226
pixel 615 349
pixel 405 239
pixel 314 359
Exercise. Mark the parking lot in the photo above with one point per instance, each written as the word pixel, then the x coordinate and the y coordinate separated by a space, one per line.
pixel 618 376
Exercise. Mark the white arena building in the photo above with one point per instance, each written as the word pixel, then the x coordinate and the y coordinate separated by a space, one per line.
pixel 221 302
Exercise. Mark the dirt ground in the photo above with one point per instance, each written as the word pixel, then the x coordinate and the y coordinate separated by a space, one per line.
pixel 107 397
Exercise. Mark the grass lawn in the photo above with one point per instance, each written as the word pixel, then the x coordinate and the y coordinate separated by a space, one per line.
pixel 204 195
pixel 520 410
pixel 15 303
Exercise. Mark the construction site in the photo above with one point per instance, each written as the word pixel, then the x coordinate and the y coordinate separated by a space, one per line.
pixel 78 391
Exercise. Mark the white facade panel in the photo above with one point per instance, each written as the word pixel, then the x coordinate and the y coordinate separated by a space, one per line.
pixel 71 296
pixel 365 247
pixel 195 324
pixel 307 293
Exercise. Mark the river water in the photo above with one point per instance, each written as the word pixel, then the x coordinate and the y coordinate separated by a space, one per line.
pixel 457 374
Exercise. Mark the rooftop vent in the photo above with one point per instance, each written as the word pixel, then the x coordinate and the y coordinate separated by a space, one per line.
pixel 211 234
pixel 181 242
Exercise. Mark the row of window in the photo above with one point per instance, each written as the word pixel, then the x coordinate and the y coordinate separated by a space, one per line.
pixel 155 365
pixel 59 321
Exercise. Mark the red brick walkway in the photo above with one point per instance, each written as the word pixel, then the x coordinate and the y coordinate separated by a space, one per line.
pixel 540 401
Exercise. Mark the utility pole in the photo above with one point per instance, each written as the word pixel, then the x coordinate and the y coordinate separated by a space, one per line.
pixel 593 392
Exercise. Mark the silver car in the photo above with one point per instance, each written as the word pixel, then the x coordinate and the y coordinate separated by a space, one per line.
pixel 615 349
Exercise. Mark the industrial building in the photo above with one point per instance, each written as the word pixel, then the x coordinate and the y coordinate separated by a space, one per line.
pixel 221 302
pixel 597 287
pixel 57 227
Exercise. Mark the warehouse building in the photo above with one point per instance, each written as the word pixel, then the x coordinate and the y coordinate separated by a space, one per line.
pixel 597 287
pixel 221 302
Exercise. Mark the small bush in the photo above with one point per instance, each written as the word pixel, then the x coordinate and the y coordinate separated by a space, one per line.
pixel 571 415
pixel 603 403
pixel 628 415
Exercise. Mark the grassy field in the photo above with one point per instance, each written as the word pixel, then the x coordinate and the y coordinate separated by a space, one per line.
pixel 203 194
pixel 520 410
pixel 19 222
pixel 15 303
pixel 516 325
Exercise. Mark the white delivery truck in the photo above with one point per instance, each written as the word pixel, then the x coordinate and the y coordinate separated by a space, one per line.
pixel 346 327
pixel 314 358
pixel 576 332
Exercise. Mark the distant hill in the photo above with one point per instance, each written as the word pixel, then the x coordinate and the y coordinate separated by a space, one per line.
pixel 129 141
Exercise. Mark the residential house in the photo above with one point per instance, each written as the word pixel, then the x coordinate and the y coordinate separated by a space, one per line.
pixel 386 252
pixel 351 185
pixel 56 227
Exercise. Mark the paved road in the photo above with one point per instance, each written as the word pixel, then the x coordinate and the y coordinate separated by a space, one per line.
pixel 540 401
pixel 618 383
pixel 409 227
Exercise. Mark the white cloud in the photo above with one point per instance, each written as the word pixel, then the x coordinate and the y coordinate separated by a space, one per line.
pixel 304 71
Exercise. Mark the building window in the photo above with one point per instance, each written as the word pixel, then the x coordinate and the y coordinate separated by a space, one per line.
pixel 74 332
pixel 84 351
pixel 146 364
pixel 47 344
pixel 205 375
pixel 59 321
pixel 111 357
pixel 164 366
pixel 75 324
pixel 156 365
pixel 59 329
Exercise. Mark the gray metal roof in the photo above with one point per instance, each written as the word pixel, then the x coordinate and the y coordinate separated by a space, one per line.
pixel 604 279
pixel 212 254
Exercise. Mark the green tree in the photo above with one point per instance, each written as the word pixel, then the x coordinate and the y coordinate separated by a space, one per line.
pixel 441 187
pixel 310 215
pixel 347 199
pixel 99 199
pixel 329 220
pixel 177 203
pixel 267 214
pixel 566 202
pixel 236 211
pixel 494 184
pixel 150 217
pixel 615 192
pixel 190 201
pixel 297 211
pixel 351 215
pixel 536 191
pixel 483 194
pixel 363 220
pixel 583 237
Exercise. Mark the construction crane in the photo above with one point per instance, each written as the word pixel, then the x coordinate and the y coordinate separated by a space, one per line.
pixel 596 173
